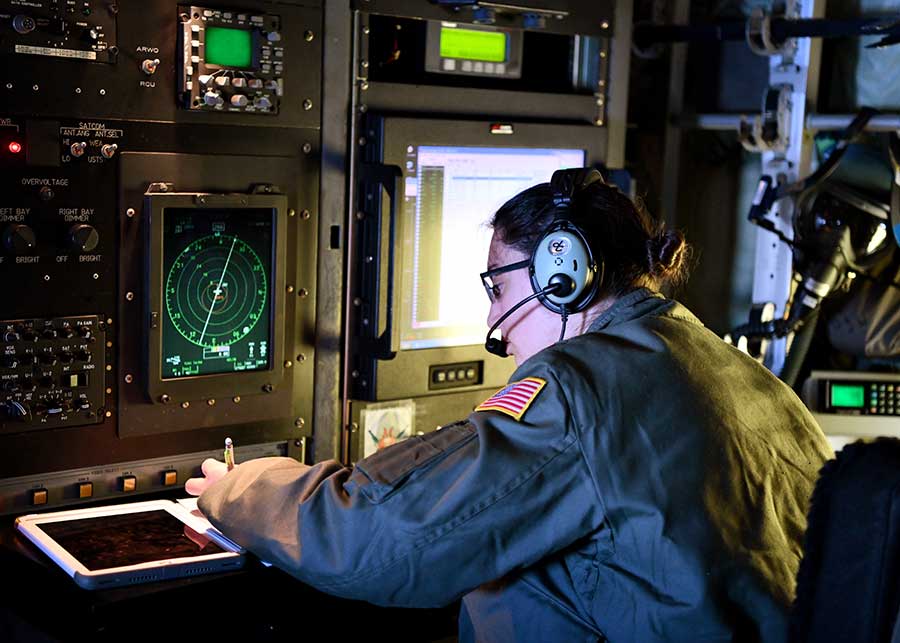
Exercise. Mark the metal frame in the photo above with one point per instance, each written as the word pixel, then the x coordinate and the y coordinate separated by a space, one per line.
pixel 328 412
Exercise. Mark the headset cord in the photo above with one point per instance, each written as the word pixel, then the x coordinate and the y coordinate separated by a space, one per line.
pixel 564 313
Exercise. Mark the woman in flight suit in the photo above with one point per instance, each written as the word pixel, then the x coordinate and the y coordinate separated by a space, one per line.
pixel 639 480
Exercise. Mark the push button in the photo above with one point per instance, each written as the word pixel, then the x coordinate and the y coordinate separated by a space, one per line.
pixel 39 496
pixel 127 484
pixel 85 489
pixel 169 478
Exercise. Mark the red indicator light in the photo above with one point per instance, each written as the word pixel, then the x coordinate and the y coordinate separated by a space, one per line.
pixel 15 147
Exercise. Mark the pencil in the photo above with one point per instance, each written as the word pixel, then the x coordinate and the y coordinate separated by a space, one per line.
pixel 229 454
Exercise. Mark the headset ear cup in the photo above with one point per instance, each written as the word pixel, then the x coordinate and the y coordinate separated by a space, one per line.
pixel 561 255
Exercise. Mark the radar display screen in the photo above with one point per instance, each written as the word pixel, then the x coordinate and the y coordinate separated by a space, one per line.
pixel 217 291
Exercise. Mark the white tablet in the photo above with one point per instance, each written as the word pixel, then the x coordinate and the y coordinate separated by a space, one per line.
pixel 132 543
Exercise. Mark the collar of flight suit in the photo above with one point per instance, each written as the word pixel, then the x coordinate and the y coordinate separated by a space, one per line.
pixel 634 303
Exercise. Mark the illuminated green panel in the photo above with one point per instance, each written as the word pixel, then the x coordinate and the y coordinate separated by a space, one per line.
pixel 850 396
pixel 468 44
pixel 228 47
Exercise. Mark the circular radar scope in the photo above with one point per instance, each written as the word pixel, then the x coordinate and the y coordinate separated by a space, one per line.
pixel 216 291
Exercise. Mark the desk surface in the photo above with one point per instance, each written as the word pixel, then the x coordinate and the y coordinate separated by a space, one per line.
pixel 40 603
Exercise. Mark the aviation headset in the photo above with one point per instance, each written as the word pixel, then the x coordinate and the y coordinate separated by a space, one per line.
pixel 563 256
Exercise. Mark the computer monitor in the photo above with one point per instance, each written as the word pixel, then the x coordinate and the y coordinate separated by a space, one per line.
pixel 450 195
pixel 427 192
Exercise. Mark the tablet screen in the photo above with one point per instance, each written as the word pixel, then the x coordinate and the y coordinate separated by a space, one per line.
pixel 129 539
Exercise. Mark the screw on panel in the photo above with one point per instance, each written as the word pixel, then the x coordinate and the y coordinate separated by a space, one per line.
pixel 211 401
pixel 35 87
pixel 363 109
pixel 308 35
pixel 354 427
pixel 290 289
pixel 108 390
pixel 288 363
pixel 129 378
pixel 366 30
pixel 165 399
pixel 108 414
pixel 363 85
pixel 236 399
pixel 129 296
pixel 78 90
pixel 292 212
pixel 604 25
pixel 96 276
pixel 9 85
pixel 299 422
pixel 307 148
pixel 109 320
pixel 354 374
pixel 357 301
pixel 46 277
pixel 103 92
pixel 109 344
pixel 360 215
pixel 304 214
pixel 301 357
pixel 307 104
pixel 185 404
pixel 268 388
pixel 303 293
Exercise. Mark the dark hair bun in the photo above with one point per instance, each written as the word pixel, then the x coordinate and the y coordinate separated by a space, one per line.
pixel 666 256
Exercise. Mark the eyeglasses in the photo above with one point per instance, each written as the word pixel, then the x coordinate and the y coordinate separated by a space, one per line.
pixel 487 278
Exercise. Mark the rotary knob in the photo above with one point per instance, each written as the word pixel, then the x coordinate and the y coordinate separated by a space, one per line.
pixel 239 100
pixel 19 239
pixel 212 99
pixel 82 237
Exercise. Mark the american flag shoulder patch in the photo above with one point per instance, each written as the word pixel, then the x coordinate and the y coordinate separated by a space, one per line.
pixel 515 398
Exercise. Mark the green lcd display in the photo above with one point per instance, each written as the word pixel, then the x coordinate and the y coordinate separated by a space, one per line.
pixel 848 396
pixel 469 44
pixel 229 47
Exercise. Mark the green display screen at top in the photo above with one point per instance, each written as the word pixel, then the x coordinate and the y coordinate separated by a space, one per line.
pixel 229 47
pixel 469 44
pixel 848 396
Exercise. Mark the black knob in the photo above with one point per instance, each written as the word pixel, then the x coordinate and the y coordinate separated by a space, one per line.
pixel 11 336
pixel 49 333
pixel 19 239
pixel 82 237
pixel 29 335
pixel 47 358
pixel 84 331
pixel 83 356
pixel 9 361
pixel 27 384
pixel 16 410
pixel 47 382
pixel 46 193
pixel 66 357
pixel 67 332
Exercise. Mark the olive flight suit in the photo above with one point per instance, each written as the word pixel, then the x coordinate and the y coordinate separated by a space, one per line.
pixel 641 482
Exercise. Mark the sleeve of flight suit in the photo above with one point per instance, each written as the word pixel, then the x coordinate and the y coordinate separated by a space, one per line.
pixel 424 521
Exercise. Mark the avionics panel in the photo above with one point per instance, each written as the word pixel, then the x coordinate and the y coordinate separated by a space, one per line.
pixel 96 158
pixel 422 302
pixel 230 60
pixel 453 48
pixel 83 30
pixel 216 272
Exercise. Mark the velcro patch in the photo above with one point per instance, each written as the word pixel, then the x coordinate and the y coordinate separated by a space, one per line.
pixel 515 398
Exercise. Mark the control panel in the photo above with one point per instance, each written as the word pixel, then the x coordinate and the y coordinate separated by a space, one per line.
pixel 73 29
pixel 230 61
pixel 74 486
pixel 455 375
pixel 861 394
pixel 473 50
pixel 51 372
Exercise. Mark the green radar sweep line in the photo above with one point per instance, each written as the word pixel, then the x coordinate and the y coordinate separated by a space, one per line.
pixel 218 290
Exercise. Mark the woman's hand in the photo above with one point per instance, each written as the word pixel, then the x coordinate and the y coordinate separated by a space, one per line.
pixel 213 471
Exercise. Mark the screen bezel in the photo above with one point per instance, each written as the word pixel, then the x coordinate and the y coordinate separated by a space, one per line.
pixel 219 384
pixel 407 374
